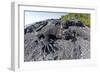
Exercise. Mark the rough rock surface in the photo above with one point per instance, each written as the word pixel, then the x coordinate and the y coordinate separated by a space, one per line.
pixel 53 39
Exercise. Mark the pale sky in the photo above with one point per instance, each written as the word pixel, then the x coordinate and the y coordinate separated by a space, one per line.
pixel 33 16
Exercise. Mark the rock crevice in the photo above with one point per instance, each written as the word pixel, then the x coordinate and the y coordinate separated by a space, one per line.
pixel 54 39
